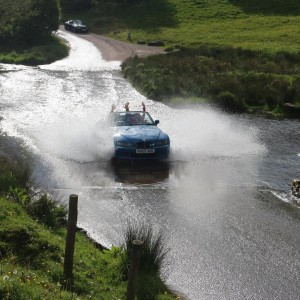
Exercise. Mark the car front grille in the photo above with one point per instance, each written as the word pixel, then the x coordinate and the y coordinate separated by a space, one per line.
pixel 144 144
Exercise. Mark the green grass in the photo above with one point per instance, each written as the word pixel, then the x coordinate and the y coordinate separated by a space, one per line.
pixel 257 25
pixel 232 78
pixel 31 263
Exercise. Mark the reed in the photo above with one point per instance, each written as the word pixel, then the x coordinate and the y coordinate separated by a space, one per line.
pixel 152 259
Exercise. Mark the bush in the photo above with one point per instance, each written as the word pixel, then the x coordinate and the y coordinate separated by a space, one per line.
pixel 28 21
pixel 169 49
pixel 76 5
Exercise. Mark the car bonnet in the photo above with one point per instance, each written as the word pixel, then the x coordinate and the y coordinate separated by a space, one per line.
pixel 145 132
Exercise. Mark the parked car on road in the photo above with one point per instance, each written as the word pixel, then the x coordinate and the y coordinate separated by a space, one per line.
pixel 137 137
pixel 76 26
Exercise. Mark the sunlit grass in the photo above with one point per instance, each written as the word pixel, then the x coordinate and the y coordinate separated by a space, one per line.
pixel 257 25
pixel 32 262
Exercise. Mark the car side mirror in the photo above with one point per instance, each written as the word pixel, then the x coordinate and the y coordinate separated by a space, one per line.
pixel 156 122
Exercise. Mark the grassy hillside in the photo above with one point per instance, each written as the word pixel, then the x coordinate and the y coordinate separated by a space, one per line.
pixel 269 25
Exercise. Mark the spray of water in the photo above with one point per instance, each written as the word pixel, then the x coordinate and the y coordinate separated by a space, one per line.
pixel 77 139
pixel 203 133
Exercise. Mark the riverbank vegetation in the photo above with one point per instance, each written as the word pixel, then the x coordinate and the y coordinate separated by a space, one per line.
pixel 234 79
pixel 43 53
pixel 32 244
pixel 241 55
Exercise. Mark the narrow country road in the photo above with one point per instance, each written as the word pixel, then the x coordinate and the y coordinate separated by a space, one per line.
pixel 117 50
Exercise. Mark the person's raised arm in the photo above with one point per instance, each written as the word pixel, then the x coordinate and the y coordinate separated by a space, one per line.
pixel 126 106
pixel 144 111
pixel 113 107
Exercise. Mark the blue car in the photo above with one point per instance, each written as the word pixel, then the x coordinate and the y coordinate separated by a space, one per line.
pixel 137 137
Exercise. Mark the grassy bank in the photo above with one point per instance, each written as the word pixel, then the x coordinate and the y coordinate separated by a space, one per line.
pixel 269 26
pixel 234 79
pixel 31 261
pixel 32 245
pixel 54 49
pixel 240 55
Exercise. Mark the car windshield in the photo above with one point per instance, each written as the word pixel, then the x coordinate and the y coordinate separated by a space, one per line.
pixel 132 118
pixel 79 22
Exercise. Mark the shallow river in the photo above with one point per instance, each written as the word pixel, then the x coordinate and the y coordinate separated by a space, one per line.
pixel 222 200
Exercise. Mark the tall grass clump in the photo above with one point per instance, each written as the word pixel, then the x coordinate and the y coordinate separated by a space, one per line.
pixel 16 185
pixel 48 211
pixel 13 174
pixel 152 258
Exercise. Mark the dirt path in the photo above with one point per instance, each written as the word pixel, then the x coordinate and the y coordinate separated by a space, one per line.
pixel 117 50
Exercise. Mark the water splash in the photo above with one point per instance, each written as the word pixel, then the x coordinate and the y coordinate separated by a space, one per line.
pixel 76 139
pixel 203 133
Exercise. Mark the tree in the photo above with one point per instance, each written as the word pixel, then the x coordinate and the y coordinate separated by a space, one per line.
pixel 28 21
pixel 43 20
pixel 11 14
pixel 76 5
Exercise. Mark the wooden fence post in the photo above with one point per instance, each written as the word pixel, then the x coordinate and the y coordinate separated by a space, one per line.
pixel 134 266
pixel 70 241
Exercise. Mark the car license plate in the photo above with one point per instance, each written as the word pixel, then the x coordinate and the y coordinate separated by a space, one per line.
pixel 143 151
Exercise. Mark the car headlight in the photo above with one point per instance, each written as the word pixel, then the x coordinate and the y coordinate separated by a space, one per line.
pixel 162 142
pixel 123 144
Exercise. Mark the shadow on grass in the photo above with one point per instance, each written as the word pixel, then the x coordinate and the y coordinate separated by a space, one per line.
pixel 270 7
pixel 150 16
